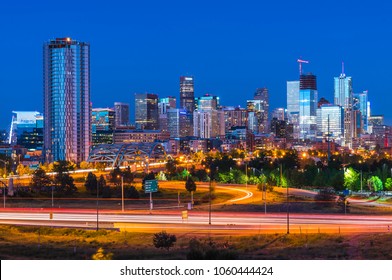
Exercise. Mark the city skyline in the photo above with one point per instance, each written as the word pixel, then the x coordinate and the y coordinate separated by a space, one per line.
pixel 220 50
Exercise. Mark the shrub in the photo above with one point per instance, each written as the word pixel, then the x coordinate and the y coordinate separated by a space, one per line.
pixel 164 240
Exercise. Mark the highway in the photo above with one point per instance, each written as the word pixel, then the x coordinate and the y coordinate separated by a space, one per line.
pixel 222 222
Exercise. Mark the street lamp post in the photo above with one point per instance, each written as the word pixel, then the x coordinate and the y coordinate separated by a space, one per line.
pixel 122 193
pixel 5 176
pixel 97 204
pixel 287 198
pixel 263 190
pixel 209 198
pixel 246 174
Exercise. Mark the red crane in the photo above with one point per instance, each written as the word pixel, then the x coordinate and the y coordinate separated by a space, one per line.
pixel 300 61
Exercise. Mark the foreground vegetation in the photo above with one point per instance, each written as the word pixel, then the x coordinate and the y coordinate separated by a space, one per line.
pixel 18 242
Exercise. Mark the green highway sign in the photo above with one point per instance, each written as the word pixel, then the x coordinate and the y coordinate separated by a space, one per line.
pixel 151 186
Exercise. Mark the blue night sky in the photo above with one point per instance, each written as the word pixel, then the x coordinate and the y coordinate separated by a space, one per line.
pixel 231 48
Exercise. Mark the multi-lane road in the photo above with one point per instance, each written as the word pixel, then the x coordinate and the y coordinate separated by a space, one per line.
pixel 221 222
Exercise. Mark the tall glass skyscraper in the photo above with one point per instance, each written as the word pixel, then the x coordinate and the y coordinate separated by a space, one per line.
pixel 307 106
pixel 67 107
pixel 187 93
pixel 146 111
pixel 330 122
pixel 121 114
pixel 360 101
pixel 293 106
pixel 343 96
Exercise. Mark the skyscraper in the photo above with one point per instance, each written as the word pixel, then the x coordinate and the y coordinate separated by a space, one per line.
pixel 103 125
pixel 307 106
pixel 146 111
pixel 330 122
pixel 207 102
pixel 343 96
pixel 121 114
pixel 293 106
pixel 360 102
pixel 187 93
pixel 67 107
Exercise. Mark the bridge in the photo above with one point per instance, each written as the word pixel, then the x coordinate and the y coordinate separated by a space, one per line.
pixel 118 155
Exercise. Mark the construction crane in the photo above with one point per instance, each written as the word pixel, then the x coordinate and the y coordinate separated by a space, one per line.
pixel 300 61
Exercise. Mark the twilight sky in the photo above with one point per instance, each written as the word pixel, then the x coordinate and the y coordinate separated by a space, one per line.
pixel 230 47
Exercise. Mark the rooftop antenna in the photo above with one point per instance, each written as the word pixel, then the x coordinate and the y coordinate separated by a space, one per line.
pixel 343 67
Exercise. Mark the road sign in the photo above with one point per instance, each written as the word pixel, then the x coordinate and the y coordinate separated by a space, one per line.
pixel 184 215
pixel 151 186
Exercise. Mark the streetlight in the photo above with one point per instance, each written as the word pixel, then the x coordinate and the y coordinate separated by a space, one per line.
pixel 264 189
pixel 122 191
pixel 287 198
pixel 209 200
pixel 5 176
pixel 97 203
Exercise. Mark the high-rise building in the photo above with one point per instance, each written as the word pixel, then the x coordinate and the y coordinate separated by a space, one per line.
pixel 262 95
pixel 207 102
pixel 187 93
pixel 279 114
pixel 103 125
pixel 235 117
pixel 208 124
pixel 360 103
pixel 67 106
pixel 293 106
pixel 121 112
pixel 146 111
pixel 164 105
pixel 179 123
pixel 257 116
pixel 343 96
pixel 307 106
pixel 292 97
pixel 22 124
pixel 330 123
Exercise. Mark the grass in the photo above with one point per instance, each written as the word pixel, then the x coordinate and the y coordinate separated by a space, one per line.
pixel 17 242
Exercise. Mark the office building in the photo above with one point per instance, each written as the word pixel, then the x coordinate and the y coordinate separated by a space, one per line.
pixel 103 125
pixel 209 124
pixel 360 103
pixel 279 114
pixel 179 123
pixel 293 107
pixel 235 116
pixel 307 106
pixel 164 105
pixel 26 129
pixel 67 104
pixel 330 124
pixel 343 96
pixel 146 111
pixel 187 93
pixel 207 102
pixel 121 112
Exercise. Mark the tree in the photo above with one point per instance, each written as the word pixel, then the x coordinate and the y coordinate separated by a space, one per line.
pixel 22 170
pixel 164 240
pixel 171 167
pixel 91 183
pixel 388 184
pixel 351 179
pixel 375 184
pixel 84 165
pixel 40 179
pixel 190 185
pixel 131 192
pixel 63 180
pixel 101 255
